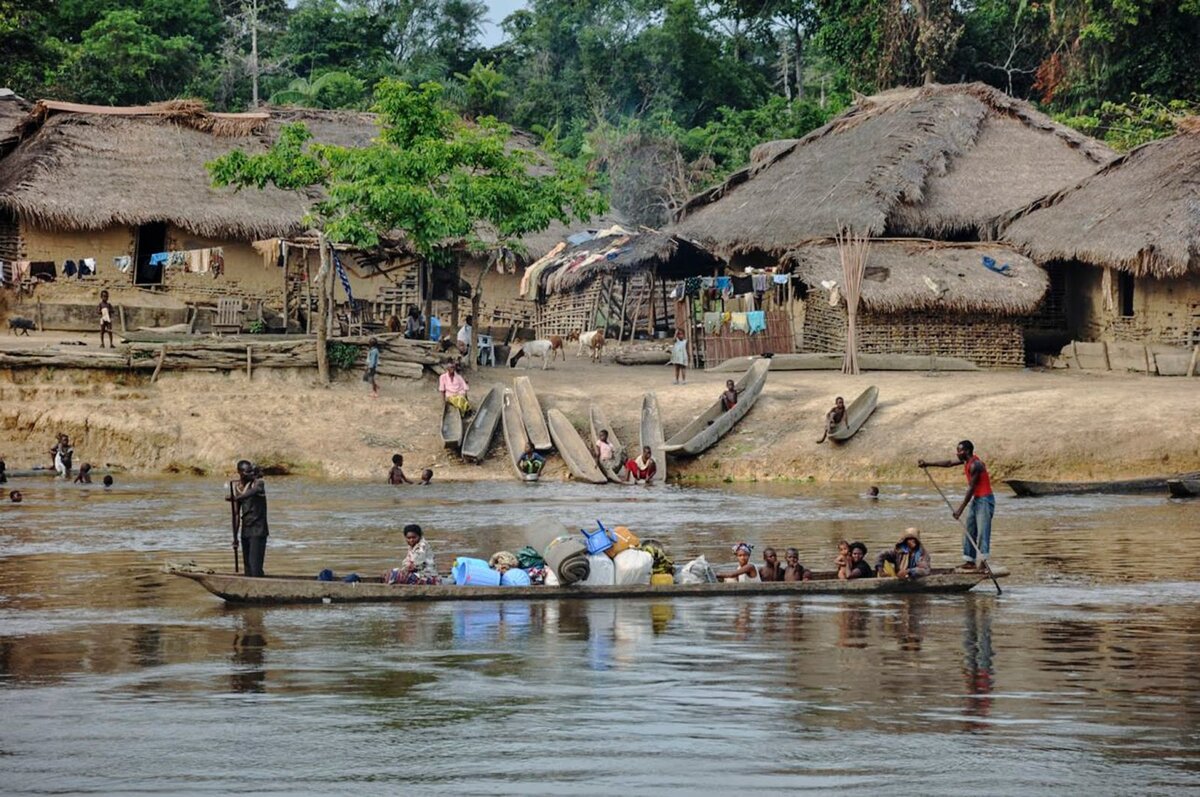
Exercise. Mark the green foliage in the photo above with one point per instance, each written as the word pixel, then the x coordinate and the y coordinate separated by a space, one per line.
pixel 257 327
pixel 481 90
pixel 342 355
pixel 1124 126
pixel 330 90
pixel 429 174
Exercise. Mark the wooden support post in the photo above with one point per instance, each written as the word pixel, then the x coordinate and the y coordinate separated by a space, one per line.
pixel 322 312
pixel 121 313
pixel 1192 365
pixel 624 303
pixel 248 363
pixel 162 356
pixel 38 311
pixel 1107 361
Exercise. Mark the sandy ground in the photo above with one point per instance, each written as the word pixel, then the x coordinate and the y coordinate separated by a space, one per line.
pixel 1032 424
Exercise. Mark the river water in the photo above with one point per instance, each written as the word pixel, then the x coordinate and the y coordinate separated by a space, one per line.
pixel 115 678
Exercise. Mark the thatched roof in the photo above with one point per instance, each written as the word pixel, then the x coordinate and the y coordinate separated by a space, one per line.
pixel 84 167
pixel 1140 213
pixel 620 253
pixel 911 275
pixel 12 110
pixel 938 161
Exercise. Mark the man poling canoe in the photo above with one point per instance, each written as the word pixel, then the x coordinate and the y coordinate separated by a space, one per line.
pixel 249 496
pixel 979 500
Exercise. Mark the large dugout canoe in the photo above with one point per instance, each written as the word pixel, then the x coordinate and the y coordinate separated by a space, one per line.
pixel 306 589
pixel 531 413
pixel 811 361
pixel 573 450
pixel 478 437
pixel 1184 488
pixel 856 414
pixel 514 431
pixel 1154 484
pixel 452 426
pixel 652 435
pixel 598 421
pixel 703 433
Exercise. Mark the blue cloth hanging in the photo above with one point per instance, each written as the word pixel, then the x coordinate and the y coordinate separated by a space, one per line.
pixel 158 258
pixel 341 272
pixel 758 321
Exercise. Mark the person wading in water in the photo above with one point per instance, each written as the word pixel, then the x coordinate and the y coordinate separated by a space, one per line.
pixel 979 503
pixel 251 496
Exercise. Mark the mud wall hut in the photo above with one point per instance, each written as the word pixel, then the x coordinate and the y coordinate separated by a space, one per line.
pixel 1125 242
pixel 925 298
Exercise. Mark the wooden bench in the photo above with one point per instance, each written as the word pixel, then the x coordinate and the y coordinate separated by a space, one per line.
pixel 229 316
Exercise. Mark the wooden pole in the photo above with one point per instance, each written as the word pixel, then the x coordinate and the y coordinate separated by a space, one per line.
pixel 162 356
pixel 121 313
pixel 1192 365
pixel 322 312
pixel 248 360
pixel 39 316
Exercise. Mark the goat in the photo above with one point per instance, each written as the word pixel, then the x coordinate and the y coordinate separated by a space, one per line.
pixel 537 348
pixel 594 341
pixel 17 325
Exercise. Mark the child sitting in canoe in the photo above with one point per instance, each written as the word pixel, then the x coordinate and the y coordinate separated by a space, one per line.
pixel 531 462
pixel 843 554
pixel 834 419
pixel 730 397
pixel 792 569
pixel 745 571
pixel 418 567
pixel 770 570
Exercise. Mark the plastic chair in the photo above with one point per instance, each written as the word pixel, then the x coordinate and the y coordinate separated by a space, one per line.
pixel 487 350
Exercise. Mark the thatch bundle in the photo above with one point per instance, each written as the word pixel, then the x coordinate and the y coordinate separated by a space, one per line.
pixel 13 111
pixel 932 162
pixel 1140 213
pixel 903 276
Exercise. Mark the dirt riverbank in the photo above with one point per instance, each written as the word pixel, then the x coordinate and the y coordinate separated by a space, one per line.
pixel 1050 425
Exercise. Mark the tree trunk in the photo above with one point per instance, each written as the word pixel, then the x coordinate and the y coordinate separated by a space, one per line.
pixel 253 54
pixel 322 313
pixel 799 65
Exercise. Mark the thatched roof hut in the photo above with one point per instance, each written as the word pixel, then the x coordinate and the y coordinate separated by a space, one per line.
pixel 1139 214
pixel 938 162
pixel 13 110
pixel 905 276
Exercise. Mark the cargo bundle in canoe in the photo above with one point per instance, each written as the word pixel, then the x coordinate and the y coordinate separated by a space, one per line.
pixel 478 438
pixel 599 422
pixel 573 450
pixel 1154 484
pixel 306 589
pixel 703 433
pixel 532 415
pixel 652 435
pixel 856 414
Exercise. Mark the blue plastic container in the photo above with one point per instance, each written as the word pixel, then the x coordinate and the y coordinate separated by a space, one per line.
pixel 599 540
pixel 435 329
pixel 474 573
pixel 514 578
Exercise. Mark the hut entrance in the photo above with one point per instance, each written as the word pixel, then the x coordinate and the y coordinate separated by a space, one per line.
pixel 150 240
pixel 1125 284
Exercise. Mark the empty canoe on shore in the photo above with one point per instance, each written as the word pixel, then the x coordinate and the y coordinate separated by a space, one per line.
pixel 598 422
pixel 1155 484
pixel 652 435
pixel 514 430
pixel 573 450
pixel 810 361
pixel 452 426
pixel 857 413
pixel 478 437
pixel 306 589
pixel 1184 488
pixel 702 433
pixel 531 413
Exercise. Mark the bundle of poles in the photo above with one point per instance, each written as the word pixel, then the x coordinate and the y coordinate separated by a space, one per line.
pixel 852 249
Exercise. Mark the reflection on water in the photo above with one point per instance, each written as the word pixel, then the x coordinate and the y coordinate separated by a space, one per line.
pixel 115 677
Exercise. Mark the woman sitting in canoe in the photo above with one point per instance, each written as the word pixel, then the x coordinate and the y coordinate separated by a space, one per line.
pixel 745 571
pixel 856 567
pixel 835 418
pixel 418 567
pixel 912 560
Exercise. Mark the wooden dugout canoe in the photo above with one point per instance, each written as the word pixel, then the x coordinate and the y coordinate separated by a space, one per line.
pixel 652 435
pixel 514 431
pixel 478 438
pixel 532 415
pixel 1154 484
pixel 598 421
pixel 856 414
pixel 573 450
pixel 452 426
pixel 811 361
pixel 1184 488
pixel 306 589
pixel 703 433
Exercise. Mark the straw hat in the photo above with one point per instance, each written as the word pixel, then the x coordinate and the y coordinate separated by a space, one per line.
pixel 913 532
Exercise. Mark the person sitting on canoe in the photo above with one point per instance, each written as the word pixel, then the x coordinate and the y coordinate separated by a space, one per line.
pixel 793 570
pixel 643 468
pixel 531 462
pixel 745 571
pixel 771 570
pixel 454 389
pixel 843 555
pixel 834 419
pixel 606 455
pixel 729 398
pixel 856 567
pixel 396 474
pixel 912 560
pixel 418 567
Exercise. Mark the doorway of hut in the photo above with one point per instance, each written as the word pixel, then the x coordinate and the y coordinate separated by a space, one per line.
pixel 149 240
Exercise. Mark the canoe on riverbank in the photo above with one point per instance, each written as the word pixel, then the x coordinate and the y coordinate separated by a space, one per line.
pixel 306 589
pixel 810 361
pixel 478 438
pixel 1154 484
pixel 652 436
pixel 531 413
pixel 452 426
pixel 703 432
pixel 514 431
pixel 856 414
pixel 573 450
pixel 598 422
pixel 1184 488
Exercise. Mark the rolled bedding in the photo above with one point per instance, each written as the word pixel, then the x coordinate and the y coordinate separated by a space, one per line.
pixel 567 558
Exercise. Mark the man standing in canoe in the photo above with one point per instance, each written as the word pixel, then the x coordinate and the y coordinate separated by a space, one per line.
pixel 979 503
pixel 250 494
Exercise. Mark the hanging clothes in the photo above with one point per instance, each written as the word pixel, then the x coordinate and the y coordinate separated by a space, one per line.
pixel 123 262
pixel 87 267
pixel 743 284
pixel 22 270
pixel 216 262
pixel 712 323
pixel 44 270
pixel 159 258
pixel 739 322
pixel 757 321
pixel 69 268
pixel 781 279
pixel 760 283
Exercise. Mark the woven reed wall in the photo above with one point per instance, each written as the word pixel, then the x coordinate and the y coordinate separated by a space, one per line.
pixel 987 341
pixel 563 313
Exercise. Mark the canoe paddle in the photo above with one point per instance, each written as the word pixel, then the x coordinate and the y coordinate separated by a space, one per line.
pixel 966 532
pixel 233 511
